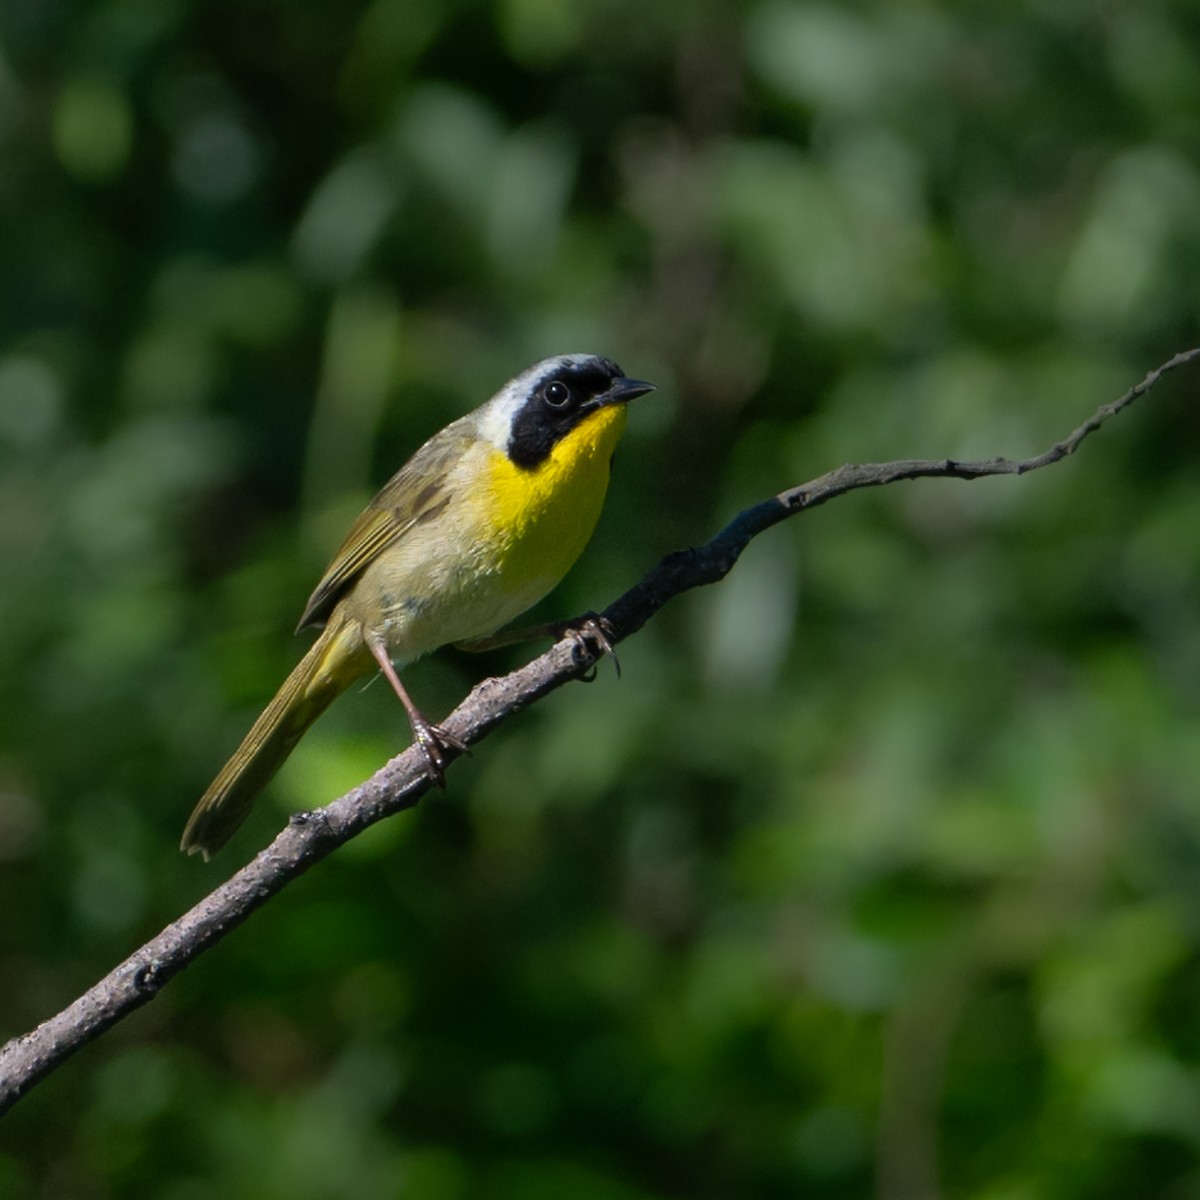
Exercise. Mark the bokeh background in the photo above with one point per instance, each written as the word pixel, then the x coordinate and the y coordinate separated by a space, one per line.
pixel 878 871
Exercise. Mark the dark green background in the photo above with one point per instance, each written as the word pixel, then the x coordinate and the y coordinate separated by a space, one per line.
pixel 878 872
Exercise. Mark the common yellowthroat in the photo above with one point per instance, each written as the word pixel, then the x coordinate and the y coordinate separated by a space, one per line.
pixel 475 528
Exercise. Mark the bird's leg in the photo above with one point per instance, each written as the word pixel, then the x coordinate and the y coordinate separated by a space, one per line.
pixel 578 629
pixel 509 637
pixel 432 739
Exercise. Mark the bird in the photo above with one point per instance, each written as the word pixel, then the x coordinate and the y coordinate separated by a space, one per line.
pixel 479 525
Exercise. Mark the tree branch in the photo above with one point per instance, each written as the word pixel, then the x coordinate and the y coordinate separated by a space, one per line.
pixel 310 836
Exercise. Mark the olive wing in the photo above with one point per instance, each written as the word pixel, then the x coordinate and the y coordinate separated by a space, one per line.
pixel 418 491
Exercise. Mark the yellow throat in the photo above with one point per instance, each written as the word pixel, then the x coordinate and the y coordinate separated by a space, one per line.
pixel 544 516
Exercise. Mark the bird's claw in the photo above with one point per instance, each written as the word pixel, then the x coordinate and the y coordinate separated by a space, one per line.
pixel 591 627
pixel 434 742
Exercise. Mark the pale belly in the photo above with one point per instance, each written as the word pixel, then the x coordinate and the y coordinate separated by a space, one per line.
pixel 481 564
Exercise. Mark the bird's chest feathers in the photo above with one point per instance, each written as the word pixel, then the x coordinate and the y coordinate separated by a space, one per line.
pixel 543 517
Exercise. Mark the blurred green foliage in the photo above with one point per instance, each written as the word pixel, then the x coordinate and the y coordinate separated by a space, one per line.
pixel 878 872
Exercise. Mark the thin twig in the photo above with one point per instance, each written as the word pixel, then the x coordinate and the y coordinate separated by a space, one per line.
pixel 310 837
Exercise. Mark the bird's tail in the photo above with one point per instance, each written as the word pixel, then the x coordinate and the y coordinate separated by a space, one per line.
pixel 333 662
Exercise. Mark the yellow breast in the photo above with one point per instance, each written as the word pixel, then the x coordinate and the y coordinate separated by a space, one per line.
pixel 503 543
pixel 544 517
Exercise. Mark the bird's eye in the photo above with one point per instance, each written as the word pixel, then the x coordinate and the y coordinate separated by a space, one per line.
pixel 557 394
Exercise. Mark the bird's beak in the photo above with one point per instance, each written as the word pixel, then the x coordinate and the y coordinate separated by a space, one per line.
pixel 623 390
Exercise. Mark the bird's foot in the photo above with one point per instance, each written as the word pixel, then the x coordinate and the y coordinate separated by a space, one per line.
pixel 591 639
pixel 435 742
